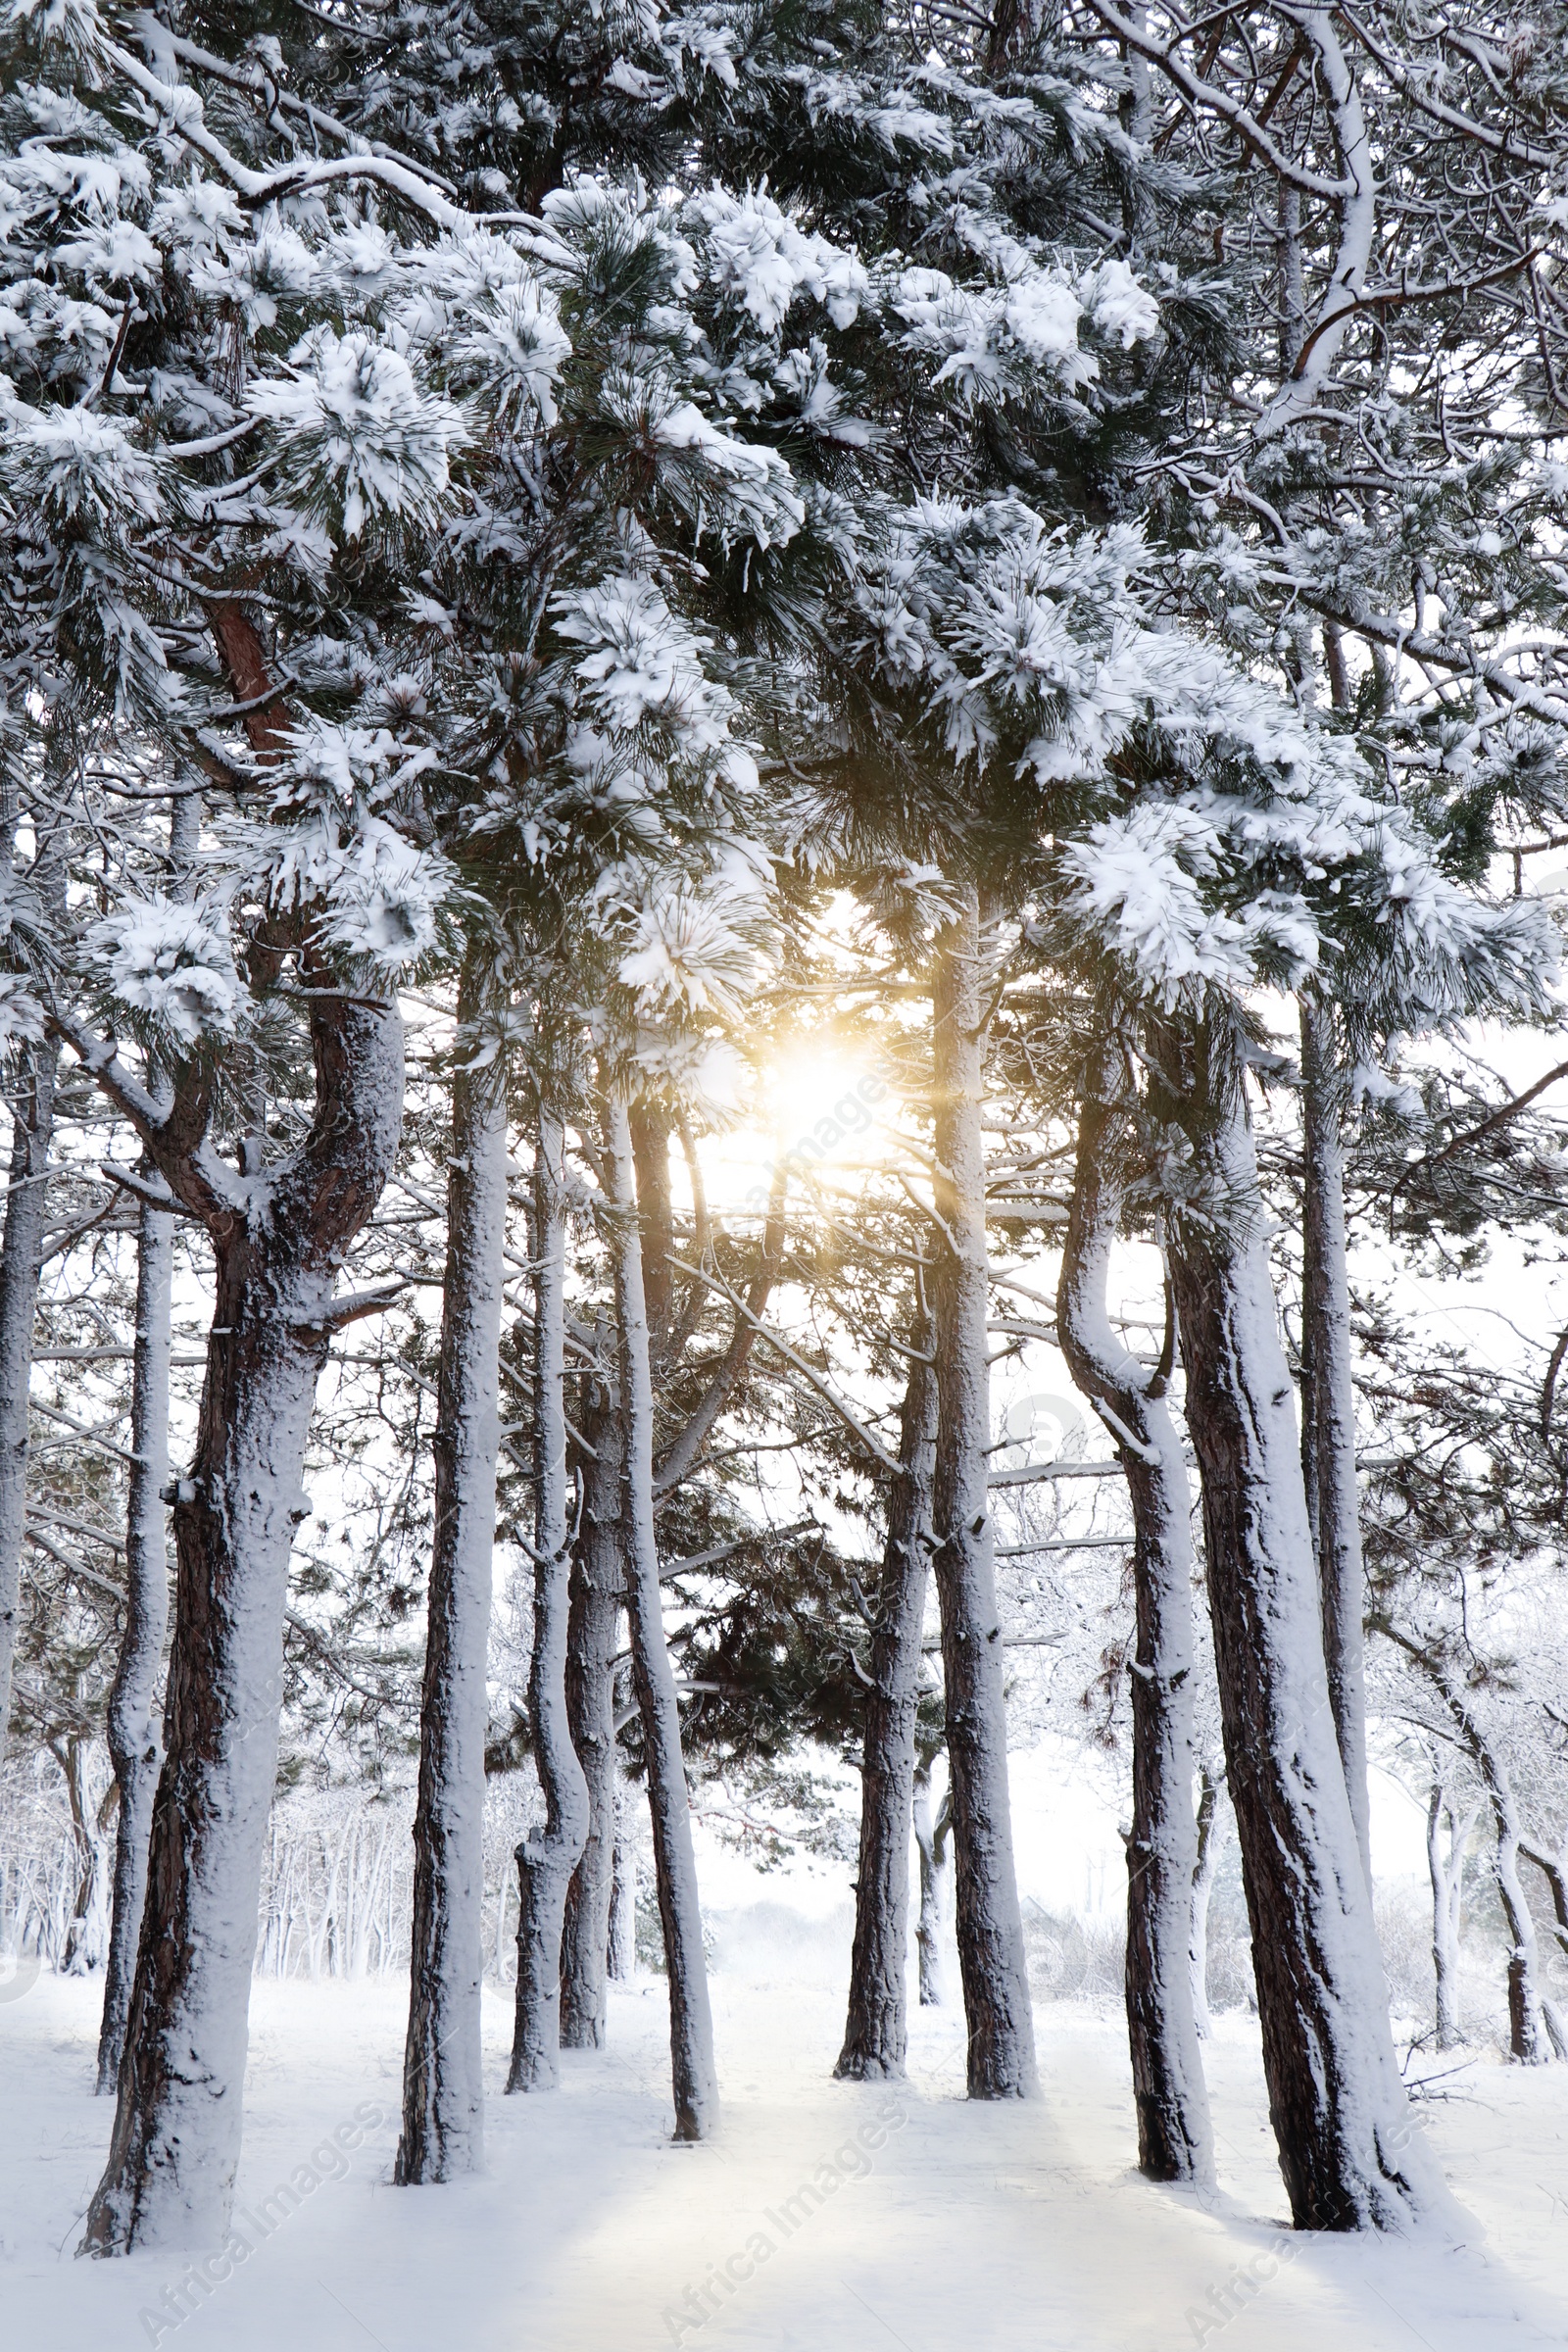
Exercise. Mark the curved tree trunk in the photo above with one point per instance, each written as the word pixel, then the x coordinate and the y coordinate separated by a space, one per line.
pixel 691 2027
pixel 277 1239
pixel 1346 2142
pixel 443 2091
pixel 135 1746
pixel 1330 1413
pixel 599 1576
pixel 547 1859
pixel 990 1925
pixel 1175 2142
pixel 876 2033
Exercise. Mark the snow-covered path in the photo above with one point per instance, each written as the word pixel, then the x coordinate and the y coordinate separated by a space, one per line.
pixel 942 2228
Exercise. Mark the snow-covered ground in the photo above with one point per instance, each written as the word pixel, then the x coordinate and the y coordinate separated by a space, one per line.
pixel 829 2217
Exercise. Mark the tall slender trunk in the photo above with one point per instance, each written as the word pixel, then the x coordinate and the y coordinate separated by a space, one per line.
pixel 598 1584
pixel 1340 2116
pixel 1175 2142
pixel 21 1263
pixel 547 1859
pixel 623 1897
pixel 1331 1412
pixel 933 1837
pixel 1448 1876
pixel 443 2089
pixel 135 1746
pixel 691 2027
pixel 876 2032
pixel 278 1238
pixel 1210 1838
pixel 990 1925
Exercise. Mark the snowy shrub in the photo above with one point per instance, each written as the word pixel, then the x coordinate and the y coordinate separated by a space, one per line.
pixel 170 962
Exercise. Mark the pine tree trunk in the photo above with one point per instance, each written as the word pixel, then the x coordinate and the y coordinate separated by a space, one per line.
pixel 1331 1414
pixel 1175 2142
pixel 21 1261
pixel 932 1838
pixel 876 2033
pixel 547 1859
pixel 443 2091
pixel 691 2029
pixel 1204 1870
pixel 598 1578
pixel 990 1925
pixel 277 1240
pixel 135 1746
pixel 1340 2115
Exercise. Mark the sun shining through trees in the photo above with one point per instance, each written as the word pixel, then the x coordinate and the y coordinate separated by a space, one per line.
pixel 778 989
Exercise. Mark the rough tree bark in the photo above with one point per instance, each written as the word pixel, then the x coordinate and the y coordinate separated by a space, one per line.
pixel 598 1587
pixel 691 2027
pixel 1175 2142
pixel 547 1859
pixel 1328 1412
pixel 933 1841
pixel 990 1925
pixel 135 1747
pixel 1346 2148
pixel 876 2032
pixel 279 1236
pixel 443 2091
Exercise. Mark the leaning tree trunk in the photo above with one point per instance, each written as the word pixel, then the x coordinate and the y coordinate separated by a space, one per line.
pixel 1331 1413
pixel 547 1859
pixel 278 1237
pixel 598 1586
pixel 933 1835
pixel 1346 2144
pixel 876 2033
pixel 21 1263
pixel 691 2027
pixel 990 1925
pixel 443 2088
pixel 135 1746
pixel 1175 2142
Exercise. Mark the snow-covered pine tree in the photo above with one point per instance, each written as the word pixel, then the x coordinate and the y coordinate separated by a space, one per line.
pixel 185 302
